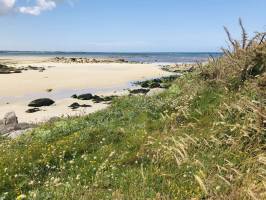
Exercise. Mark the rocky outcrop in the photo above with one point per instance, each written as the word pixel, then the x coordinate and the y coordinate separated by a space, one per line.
pixel 163 82
pixel 10 125
pixel 10 118
pixel 94 98
pixel 86 60
pixel 10 121
pixel 41 102
pixel 4 69
pixel 139 91
pixel 179 68
pixel 76 105
pixel 40 69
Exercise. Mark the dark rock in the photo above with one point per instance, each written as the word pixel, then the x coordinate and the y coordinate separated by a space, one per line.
pixel 40 69
pixel 145 84
pixel 110 98
pixel 77 105
pixel 97 99
pixel 155 85
pixel 33 110
pixel 139 91
pixel 41 102
pixel 88 96
pixel 74 105
pixel 121 60
pixel 4 69
pixel 94 98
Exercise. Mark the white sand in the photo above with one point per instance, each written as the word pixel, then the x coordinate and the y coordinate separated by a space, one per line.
pixel 65 79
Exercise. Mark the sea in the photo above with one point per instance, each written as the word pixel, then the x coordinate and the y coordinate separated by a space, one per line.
pixel 146 57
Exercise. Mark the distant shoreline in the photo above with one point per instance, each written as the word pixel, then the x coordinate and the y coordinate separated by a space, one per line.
pixel 147 57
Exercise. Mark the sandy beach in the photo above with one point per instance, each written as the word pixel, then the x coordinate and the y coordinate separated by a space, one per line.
pixel 59 81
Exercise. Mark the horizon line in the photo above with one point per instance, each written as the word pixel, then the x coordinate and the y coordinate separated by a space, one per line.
pixel 48 51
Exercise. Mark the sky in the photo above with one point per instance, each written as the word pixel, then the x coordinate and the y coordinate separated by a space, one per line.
pixel 125 25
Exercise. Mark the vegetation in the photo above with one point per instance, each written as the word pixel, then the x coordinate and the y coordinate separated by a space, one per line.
pixel 203 138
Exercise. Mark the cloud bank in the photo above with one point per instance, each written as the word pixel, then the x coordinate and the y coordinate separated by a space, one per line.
pixel 41 5
pixel 8 6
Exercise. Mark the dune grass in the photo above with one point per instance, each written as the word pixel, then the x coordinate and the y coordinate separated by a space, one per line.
pixel 203 138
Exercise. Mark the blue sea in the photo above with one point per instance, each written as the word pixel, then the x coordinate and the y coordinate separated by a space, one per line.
pixel 159 57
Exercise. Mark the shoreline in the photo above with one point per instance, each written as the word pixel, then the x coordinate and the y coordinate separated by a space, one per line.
pixel 62 80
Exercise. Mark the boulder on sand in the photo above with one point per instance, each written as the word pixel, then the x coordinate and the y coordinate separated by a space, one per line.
pixel 10 119
pixel 33 110
pixel 88 96
pixel 9 123
pixel 41 102
pixel 77 105
pixel 10 127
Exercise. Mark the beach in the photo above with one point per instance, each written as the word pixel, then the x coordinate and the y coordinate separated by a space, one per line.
pixel 59 81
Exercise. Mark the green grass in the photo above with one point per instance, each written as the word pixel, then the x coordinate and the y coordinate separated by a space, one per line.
pixel 169 146
pixel 200 139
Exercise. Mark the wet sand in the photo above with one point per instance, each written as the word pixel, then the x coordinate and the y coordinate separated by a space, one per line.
pixel 64 79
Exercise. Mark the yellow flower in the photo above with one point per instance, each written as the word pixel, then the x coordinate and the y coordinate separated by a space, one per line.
pixel 22 196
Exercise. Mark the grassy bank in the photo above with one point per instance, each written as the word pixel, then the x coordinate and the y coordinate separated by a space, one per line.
pixel 203 138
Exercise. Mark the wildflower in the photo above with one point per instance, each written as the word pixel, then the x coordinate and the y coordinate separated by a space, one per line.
pixel 31 182
pixel 56 180
pixel 22 196
pixel 84 157
pixel 71 161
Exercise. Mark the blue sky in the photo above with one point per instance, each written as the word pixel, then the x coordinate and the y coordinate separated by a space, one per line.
pixel 128 25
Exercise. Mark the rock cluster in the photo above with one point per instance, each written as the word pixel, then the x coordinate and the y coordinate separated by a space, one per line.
pixel 154 86
pixel 163 82
pixel 86 60
pixel 94 98
pixel 139 91
pixel 179 68
pixel 4 69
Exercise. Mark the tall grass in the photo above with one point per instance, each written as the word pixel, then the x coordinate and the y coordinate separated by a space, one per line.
pixel 203 138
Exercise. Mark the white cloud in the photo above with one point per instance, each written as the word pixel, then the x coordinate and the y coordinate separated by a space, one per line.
pixel 41 5
pixel 6 6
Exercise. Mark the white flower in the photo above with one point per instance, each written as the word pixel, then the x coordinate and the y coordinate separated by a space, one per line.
pixel 31 182
pixel 71 161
